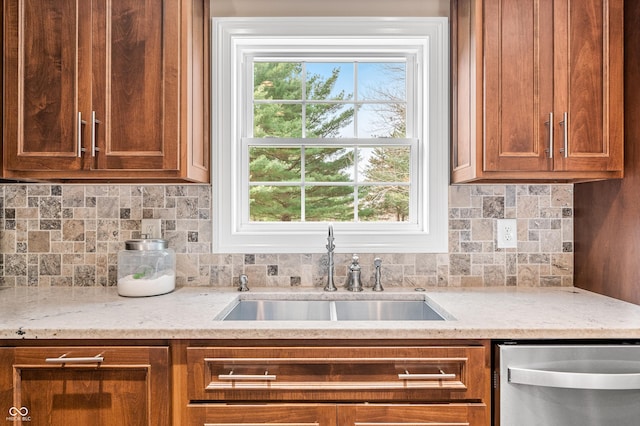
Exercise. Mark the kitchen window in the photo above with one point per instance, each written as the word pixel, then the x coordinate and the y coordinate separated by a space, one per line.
pixel 341 121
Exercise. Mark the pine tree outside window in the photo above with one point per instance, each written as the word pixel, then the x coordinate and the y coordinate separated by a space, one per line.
pixel 341 121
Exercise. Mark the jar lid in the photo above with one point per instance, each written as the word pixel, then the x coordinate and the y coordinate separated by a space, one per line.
pixel 146 244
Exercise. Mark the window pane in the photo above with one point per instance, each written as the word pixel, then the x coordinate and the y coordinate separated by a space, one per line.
pixel 329 203
pixel 329 121
pixel 382 120
pixel 274 203
pixel 277 80
pixel 277 121
pixel 329 80
pixel 382 81
pixel 384 164
pixel 330 107
pixel 381 203
pixel 274 164
pixel 329 164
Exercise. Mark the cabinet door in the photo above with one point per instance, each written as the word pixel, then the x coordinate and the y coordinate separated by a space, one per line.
pixel 128 386
pixel 520 68
pixel 106 90
pixel 136 67
pixel 46 66
pixel 518 60
pixel 413 415
pixel 259 415
pixel 589 85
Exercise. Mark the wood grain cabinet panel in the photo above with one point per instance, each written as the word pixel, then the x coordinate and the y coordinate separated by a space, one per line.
pixel 100 386
pixel 411 415
pixel 339 415
pixel 106 90
pixel 262 415
pixel 537 90
pixel 342 385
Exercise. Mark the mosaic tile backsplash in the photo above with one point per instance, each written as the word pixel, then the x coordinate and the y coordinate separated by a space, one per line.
pixel 69 235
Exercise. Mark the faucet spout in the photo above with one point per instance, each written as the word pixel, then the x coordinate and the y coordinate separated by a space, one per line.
pixel 330 266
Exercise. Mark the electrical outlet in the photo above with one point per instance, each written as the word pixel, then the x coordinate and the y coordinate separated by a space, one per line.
pixel 151 228
pixel 507 233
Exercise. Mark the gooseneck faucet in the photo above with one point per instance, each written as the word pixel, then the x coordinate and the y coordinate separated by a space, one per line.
pixel 330 266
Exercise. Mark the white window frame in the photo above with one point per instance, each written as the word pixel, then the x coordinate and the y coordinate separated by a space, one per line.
pixel 237 38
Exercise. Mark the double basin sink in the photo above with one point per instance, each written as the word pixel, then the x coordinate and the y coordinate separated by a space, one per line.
pixel 282 309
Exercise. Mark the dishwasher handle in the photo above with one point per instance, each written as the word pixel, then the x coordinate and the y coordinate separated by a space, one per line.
pixel 572 380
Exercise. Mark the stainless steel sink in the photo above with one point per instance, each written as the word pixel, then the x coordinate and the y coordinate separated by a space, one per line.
pixel 385 310
pixel 280 310
pixel 332 310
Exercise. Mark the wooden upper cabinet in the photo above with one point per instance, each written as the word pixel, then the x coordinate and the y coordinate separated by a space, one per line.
pixel 106 90
pixel 537 90
pixel 42 74
pixel 588 57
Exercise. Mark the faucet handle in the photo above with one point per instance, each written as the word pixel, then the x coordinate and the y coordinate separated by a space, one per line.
pixel 355 263
pixel 354 282
pixel 243 283
pixel 377 262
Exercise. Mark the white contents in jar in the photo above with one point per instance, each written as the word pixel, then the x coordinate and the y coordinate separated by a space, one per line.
pixel 160 283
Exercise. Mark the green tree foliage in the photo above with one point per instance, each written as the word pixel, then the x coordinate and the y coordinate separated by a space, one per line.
pixel 282 81
pixel 389 164
pixel 388 202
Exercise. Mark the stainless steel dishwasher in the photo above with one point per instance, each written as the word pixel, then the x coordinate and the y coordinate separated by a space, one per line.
pixel 567 385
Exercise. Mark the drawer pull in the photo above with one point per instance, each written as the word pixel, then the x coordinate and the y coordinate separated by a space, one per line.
pixel 79 124
pixel 565 133
pixel 94 122
pixel 550 124
pixel 62 359
pixel 437 376
pixel 261 377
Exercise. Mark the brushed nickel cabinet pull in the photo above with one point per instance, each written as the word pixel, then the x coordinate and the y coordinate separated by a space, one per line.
pixel 79 135
pixel 94 122
pixel 565 132
pixel 550 124
pixel 256 377
pixel 63 359
pixel 436 376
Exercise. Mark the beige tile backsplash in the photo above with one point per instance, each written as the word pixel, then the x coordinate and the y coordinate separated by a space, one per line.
pixel 69 235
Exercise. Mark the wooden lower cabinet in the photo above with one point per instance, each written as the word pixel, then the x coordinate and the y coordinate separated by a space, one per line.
pixel 338 414
pixel 98 386
pixel 337 383
pixel 246 383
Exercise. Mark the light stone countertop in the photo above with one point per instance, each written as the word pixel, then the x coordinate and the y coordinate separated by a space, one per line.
pixel 194 312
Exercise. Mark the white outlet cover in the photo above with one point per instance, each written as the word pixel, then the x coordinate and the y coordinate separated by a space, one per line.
pixel 152 228
pixel 507 233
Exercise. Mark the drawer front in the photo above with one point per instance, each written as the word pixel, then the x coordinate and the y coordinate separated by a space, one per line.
pixel 413 415
pixel 338 415
pixel 263 414
pixel 337 373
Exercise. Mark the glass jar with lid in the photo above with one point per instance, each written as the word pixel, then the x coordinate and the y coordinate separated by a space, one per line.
pixel 146 267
